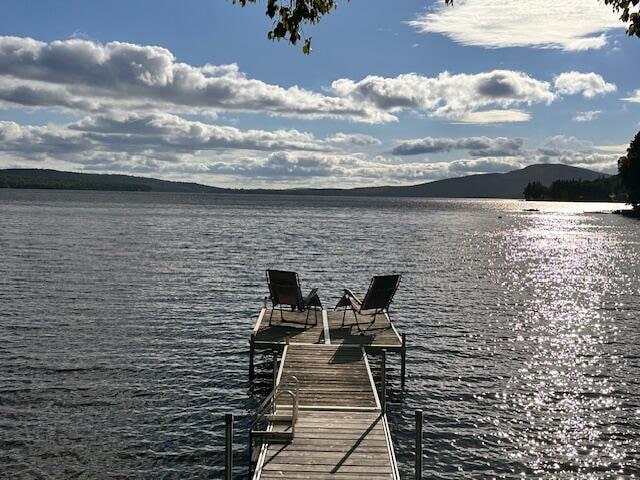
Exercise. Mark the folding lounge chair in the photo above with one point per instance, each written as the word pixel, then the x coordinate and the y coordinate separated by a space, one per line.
pixel 378 298
pixel 284 289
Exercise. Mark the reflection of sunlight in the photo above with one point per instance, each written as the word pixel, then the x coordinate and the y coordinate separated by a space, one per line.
pixel 567 423
pixel 573 208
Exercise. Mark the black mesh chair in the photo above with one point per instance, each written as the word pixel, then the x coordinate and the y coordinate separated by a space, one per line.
pixel 376 301
pixel 284 289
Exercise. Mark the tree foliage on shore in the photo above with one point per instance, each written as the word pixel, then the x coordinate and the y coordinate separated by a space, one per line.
pixel 290 16
pixel 603 189
pixel 629 172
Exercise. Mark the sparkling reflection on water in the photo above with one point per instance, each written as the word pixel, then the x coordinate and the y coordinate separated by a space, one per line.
pixel 125 317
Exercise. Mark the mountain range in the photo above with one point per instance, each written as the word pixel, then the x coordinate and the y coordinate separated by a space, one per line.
pixel 490 185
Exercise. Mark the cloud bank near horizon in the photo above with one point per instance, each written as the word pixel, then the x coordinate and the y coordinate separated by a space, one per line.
pixel 130 104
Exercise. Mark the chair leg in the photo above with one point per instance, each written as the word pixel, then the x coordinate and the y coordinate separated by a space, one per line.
pixel 357 323
pixel 306 319
pixel 344 314
pixel 271 314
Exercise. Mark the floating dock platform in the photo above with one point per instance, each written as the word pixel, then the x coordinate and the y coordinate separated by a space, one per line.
pixel 324 418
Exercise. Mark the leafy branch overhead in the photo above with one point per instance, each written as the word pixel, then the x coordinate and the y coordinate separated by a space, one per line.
pixel 289 16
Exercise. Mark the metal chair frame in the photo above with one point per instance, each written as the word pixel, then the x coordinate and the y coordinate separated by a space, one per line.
pixel 302 303
pixel 349 298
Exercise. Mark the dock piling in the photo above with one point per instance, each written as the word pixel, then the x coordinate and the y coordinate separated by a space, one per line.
pixel 418 475
pixel 228 446
pixel 252 348
pixel 403 358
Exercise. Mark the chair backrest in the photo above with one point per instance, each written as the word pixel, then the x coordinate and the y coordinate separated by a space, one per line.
pixel 284 288
pixel 381 292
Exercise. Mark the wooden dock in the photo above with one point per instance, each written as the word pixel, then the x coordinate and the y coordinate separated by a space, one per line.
pixel 326 420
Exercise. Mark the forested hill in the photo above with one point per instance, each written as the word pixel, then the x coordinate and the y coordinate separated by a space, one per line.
pixel 490 185
pixel 54 179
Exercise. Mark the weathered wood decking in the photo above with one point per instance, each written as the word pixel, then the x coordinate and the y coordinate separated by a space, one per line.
pixel 341 431
pixel 329 330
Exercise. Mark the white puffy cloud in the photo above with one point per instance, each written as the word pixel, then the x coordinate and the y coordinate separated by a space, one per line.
pixel 588 84
pixel 162 133
pixel 477 146
pixel 82 75
pixel 446 95
pixel 496 116
pixel 566 25
pixel 634 97
pixel 588 116
pixel 85 75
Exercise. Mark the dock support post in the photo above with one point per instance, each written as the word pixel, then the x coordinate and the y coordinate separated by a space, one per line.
pixel 383 382
pixel 275 368
pixel 403 359
pixel 251 353
pixel 418 445
pixel 228 447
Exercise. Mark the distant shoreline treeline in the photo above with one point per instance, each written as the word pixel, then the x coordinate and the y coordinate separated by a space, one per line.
pixel 603 189
pixel 589 185
pixel 57 180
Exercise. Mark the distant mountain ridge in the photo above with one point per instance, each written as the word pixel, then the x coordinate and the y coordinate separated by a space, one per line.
pixel 493 185
pixel 488 185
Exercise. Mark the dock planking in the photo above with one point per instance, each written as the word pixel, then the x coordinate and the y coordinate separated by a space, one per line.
pixel 341 431
pixel 294 327
pixel 335 445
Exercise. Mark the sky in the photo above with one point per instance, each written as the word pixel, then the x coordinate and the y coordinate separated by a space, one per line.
pixel 393 92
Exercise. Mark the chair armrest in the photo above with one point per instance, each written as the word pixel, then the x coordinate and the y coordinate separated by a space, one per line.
pixel 352 296
pixel 349 299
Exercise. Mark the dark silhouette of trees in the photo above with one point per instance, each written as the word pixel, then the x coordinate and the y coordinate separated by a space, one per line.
pixel 629 172
pixel 601 189
pixel 289 16
pixel 535 191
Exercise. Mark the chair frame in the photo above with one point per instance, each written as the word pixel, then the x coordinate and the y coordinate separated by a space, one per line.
pixel 350 301
pixel 303 303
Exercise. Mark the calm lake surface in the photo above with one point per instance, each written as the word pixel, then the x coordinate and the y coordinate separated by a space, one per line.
pixel 125 318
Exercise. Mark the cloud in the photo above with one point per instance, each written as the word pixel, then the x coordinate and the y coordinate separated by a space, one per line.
pixel 164 137
pixel 170 147
pixel 486 165
pixel 496 116
pixel 82 75
pixel 358 139
pixel 557 144
pixel 634 98
pixel 477 146
pixel 355 169
pixel 567 25
pixel 588 84
pixel 587 116
pixel 449 96
pixel 90 76
pixel 613 148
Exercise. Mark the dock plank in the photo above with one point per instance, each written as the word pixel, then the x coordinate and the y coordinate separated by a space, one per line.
pixel 341 432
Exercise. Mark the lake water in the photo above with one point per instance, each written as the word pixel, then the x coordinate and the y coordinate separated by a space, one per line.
pixel 125 318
